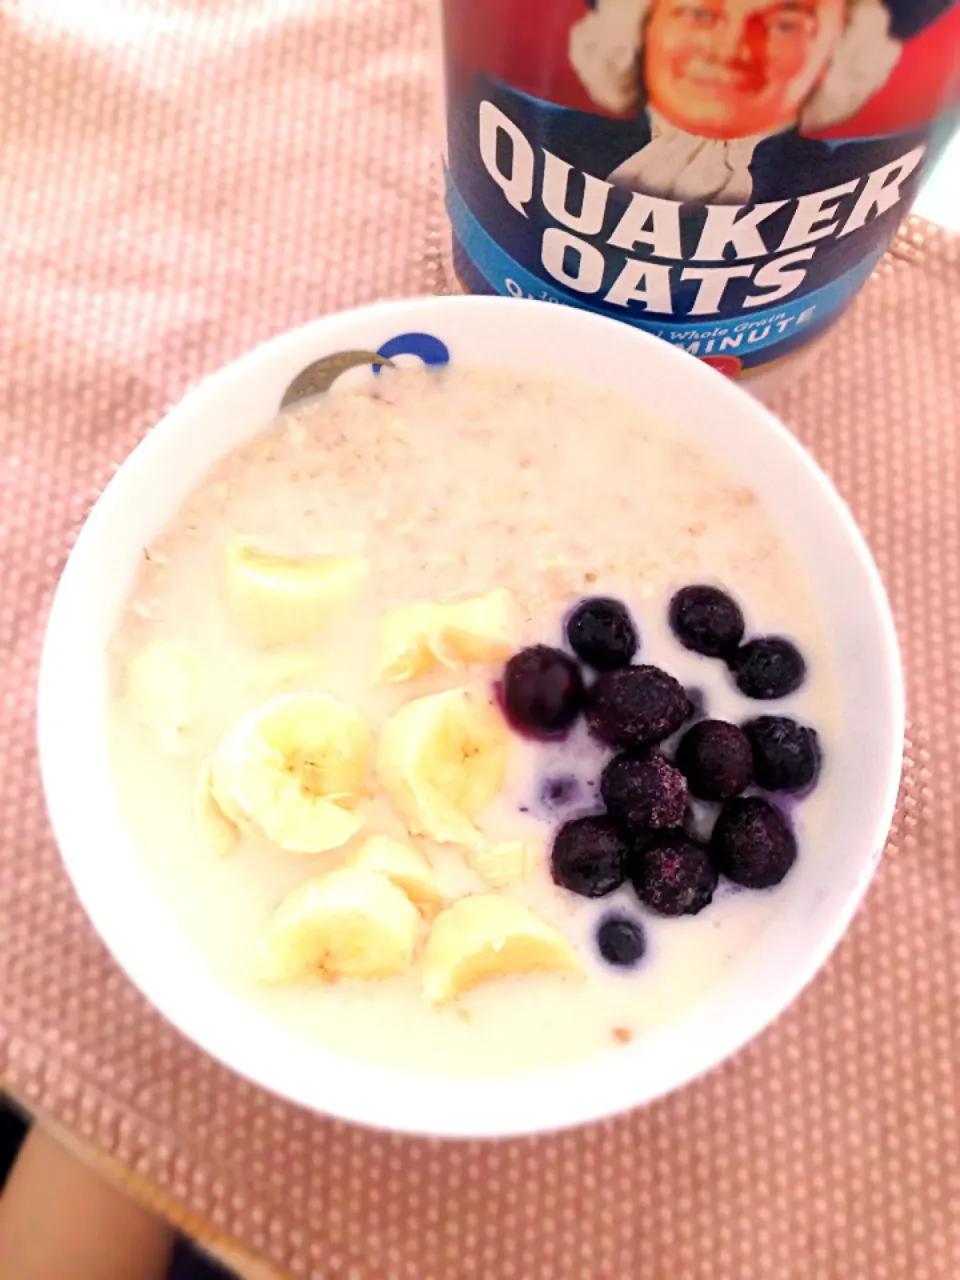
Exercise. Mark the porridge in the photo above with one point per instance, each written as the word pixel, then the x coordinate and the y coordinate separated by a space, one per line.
pixel 441 720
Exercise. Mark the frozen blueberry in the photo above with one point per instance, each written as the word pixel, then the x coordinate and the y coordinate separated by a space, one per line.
pixel 542 691
pixel 636 706
pixel 716 760
pixel 589 857
pixel 786 755
pixel 752 843
pixel 601 633
pixel 621 941
pixel 673 875
pixel 769 668
pixel 706 620
pixel 644 791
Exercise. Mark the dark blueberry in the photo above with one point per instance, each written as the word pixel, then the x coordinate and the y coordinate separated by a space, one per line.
pixel 636 706
pixel 542 691
pixel 706 620
pixel 621 941
pixel 752 843
pixel 589 857
pixel 673 875
pixel 559 791
pixel 644 791
pixel 768 668
pixel 786 755
pixel 601 633
pixel 716 760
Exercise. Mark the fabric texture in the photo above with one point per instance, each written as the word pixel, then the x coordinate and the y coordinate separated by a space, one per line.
pixel 183 178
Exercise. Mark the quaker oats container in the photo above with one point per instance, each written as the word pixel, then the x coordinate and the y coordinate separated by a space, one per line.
pixel 724 174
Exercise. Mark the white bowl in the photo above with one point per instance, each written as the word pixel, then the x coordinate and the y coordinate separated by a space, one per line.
pixel 109 875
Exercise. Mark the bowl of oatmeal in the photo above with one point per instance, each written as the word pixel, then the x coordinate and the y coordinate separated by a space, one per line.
pixel 470 717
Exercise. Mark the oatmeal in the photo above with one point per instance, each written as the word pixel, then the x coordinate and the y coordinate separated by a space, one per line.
pixel 413 720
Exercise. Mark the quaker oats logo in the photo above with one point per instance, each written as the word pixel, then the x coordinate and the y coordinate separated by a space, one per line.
pixel 717 77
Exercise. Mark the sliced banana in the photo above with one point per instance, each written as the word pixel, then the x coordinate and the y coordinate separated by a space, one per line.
pixel 441 760
pixel 294 771
pixel 490 936
pixel 162 689
pixel 284 599
pixel 415 637
pixel 349 923
pixel 405 866
pixel 506 864
pixel 222 833
pixel 480 629
pixel 403 649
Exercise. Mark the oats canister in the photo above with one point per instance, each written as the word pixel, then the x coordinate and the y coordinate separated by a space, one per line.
pixel 723 173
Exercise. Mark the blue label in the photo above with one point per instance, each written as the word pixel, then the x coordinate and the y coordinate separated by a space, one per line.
pixel 743 336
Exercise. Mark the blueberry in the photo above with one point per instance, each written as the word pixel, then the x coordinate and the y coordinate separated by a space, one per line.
pixel 621 941
pixel 644 791
pixel 673 875
pixel 786 755
pixel 589 857
pixel 636 706
pixel 768 668
pixel 716 759
pixel 601 633
pixel 706 620
pixel 542 691
pixel 752 843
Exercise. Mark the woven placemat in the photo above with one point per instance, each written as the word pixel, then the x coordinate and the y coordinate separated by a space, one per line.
pixel 180 180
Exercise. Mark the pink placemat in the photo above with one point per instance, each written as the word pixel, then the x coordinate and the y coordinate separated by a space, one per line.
pixel 181 180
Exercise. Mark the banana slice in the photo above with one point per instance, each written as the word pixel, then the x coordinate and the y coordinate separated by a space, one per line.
pixel 403 649
pixel 348 923
pixel 416 637
pixel 491 936
pixel 162 687
pixel 441 761
pixel 480 629
pixel 503 865
pixel 293 771
pixel 222 833
pixel 406 867
pixel 285 599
